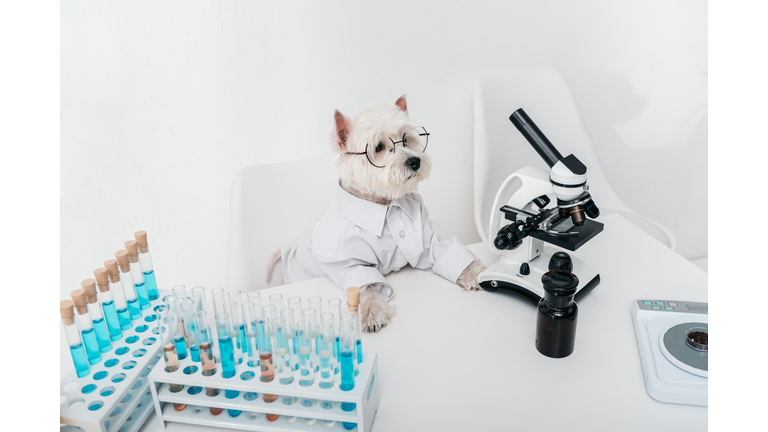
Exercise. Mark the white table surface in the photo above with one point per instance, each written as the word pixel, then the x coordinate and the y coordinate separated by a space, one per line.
pixel 460 361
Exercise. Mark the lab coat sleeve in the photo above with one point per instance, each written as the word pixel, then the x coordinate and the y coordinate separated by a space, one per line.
pixel 447 258
pixel 353 264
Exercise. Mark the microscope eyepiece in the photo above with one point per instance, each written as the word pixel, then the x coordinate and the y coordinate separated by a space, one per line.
pixel 535 137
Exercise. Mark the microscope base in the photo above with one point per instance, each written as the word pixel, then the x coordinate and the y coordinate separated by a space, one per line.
pixel 505 276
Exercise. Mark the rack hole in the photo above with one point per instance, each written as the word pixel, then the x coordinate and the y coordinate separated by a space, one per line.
pixel 128 419
pixel 193 390
pixel 129 365
pixel 157 330
pixel 150 318
pixel 146 372
pixel 88 389
pixel 95 405
pixel 132 339
pixel 198 410
pixel 149 341
pixel 247 376
pixel 137 385
pixel 115 411
pixel 117 377
pixel 139 352
pixel 154 309
pixel 106 424
pixel 254 416
pixel 100 375
pixel 126 398
pixel 139 405
pixel 189 370
pixel 107 391
pixel 74 403
pixel 68 387
pixel 121 350
pixel 142 328
pixel 111 362
pixel 250 396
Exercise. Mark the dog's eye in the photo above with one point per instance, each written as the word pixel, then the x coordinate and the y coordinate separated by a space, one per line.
pixel 379 147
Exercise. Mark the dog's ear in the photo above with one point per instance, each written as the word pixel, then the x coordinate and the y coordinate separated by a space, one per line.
pixel 400 102
pixel 342 131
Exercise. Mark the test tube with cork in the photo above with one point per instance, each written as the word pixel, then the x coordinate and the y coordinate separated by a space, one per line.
pixel 116 286
pixel 132 247
pixel 146 264
pixel 76 348
pixel 87 332
pixel 97 315
pixel 108 304
pixel 129 286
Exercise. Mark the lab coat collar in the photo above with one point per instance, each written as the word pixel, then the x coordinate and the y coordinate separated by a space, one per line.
pixel 369 215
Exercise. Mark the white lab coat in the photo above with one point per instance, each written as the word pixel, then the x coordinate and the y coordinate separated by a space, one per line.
pixel 356 242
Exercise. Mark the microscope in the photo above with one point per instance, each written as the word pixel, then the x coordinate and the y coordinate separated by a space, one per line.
pixel 532 218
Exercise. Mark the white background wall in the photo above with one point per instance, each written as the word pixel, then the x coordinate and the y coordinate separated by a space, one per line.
pixel 162 103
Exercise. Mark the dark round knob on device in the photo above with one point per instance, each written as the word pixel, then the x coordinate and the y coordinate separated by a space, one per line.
pixel 561 261
pixel 541 201
pixel 591 209
pixel 525 269
pixel 501 242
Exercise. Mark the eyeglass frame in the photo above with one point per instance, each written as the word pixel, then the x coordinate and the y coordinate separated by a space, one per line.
pixel 394 146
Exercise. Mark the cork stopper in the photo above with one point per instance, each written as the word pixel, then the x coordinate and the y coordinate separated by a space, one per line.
pixel 141 239
pixel 114 273
pixel 132 246
pixel 102 280
pixel 123 261
pixel 353 298
pixel 78 297
pixel 89 286
pixel 67 311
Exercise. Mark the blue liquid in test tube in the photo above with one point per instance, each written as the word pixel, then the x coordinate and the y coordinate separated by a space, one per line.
pixel 149 280
pixel 91 346
pixel 133 309
pixel 181 347
pixel 102 335
pixel 79 357
pixel 113 323
pixel 124 319
pixel 141 293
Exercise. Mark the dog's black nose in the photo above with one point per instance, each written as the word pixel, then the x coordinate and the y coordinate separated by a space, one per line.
pixel 414 163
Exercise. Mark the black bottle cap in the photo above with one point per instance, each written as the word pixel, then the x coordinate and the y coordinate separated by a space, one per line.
pixel 525 269
pixel 560 283
pixel 561 261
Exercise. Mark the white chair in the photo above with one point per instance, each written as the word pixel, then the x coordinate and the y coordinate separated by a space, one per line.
pixel 257 227
pixel 500 149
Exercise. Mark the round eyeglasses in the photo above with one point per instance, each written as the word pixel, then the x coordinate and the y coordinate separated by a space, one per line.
pixel 415 138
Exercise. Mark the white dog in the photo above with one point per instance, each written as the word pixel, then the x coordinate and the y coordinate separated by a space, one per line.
pixel 378 222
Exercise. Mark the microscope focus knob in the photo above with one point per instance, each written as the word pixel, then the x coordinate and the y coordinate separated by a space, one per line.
pixel 561 261
pixel 525 269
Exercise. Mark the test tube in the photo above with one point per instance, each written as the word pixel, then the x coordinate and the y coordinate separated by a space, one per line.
pixel 249 325
pixel 353 302
pixel 86 327
pixel 73 338
pixel 276 300
pixel 265 359
pixel 348 341
pixel 226 346
pixel 326 341
pixel 170 351
pixel 99 325
pixel 174 322
pixel 350 319
pixel 116 286
pixel 179 293
pixel 287 316
pixel 306 353
pixel 187 310
pixel 132 247
pixel 207 359
pixel 311 315
pixel 236 296
pixel 217 294
pixel 146 264
pixel 255 298
pixel 108 304
pixel 283 353
pixel 126 277
pixel 230 308
pixel 198 296
pixel 334 305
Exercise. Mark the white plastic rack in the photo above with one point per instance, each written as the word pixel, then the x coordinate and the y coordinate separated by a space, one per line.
pixel 246 381
pixel 115 394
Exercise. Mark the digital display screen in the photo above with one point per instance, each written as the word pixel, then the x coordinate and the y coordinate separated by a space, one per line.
pixel 697 308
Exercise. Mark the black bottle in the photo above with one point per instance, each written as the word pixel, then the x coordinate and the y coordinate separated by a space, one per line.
pixel 557 314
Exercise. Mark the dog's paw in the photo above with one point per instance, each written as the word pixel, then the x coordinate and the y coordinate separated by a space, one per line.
pixel 375 312
pixel 468 278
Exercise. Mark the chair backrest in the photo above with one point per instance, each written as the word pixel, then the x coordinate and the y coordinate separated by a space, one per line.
pixel 269 205
pixel 500 150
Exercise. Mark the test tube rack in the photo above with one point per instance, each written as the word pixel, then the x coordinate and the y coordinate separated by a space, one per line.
pixel 115 395
pixel 246 381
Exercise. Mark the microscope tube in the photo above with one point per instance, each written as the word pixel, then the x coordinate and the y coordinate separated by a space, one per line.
pixel 132 247
pixel 99 325
pixel 187 310
pixel 230 308
pixel 282 359
pixel 73 338
pixel 306 353
pixel 347 367
pixel 326 341
pixel 116 286
pixel 249 327
pixel 170 342
pixel 265 358
pixel 217 294
pixel 204 337
pixel 334 305
pixel 129 288
pixel 146 264
pixel 108 304
pixel 86 327
pixel 287 316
